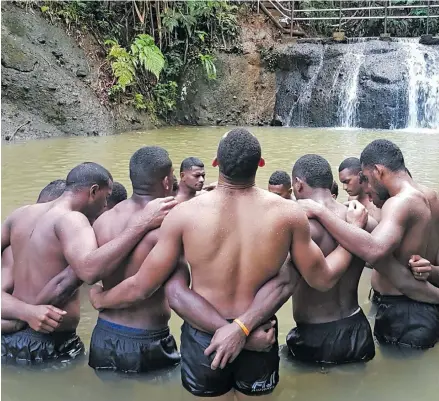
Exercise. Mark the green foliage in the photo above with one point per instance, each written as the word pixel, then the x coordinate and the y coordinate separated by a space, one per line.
pixel 207 61
pixel 270 58
pixel 145 53
pixel 139 102
pixel 165 96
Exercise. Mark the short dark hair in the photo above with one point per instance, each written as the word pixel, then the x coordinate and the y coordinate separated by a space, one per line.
pixel 334 188
pixel 408 172
pixel 52 191
pixel 280 178
pixel 118 194
pixel 87 174
pixel 314 170
pixel 148 166
pixel 384 152
pixel 190 162
pixel 352 164
pixel 238 155
pixel 175 184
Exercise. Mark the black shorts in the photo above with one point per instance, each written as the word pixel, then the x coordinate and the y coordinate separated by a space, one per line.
pixel 30 346
pixel 251 373
pixel 341 341
pixel 131 350
pixel 402 321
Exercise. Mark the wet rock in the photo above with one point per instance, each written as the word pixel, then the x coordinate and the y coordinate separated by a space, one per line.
pixel 52 87
pixel 81 72
pixel 429 40
pixel 57 53
pixel 41 40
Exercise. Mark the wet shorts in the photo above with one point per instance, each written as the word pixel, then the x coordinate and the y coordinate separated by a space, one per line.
pixel 34 347
pixel 341 341
pixel 402 321
pixel 131 350
pixel 251 373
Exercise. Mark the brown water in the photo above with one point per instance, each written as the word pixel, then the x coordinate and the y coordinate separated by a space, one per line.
pixel 27 167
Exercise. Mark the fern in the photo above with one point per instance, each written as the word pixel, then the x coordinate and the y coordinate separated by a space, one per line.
pixel 146 54
pixel 124 71
pixel 207 61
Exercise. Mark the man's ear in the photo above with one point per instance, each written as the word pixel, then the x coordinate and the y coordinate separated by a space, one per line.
pixel 93 190
pixel 215 162
pixel 262 162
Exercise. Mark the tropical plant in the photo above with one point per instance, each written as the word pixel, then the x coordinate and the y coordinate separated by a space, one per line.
pixel 207 61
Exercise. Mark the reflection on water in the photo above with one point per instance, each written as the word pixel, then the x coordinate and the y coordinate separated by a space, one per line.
pixel 393 374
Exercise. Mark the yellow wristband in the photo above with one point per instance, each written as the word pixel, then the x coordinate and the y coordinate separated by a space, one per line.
pixel 243 328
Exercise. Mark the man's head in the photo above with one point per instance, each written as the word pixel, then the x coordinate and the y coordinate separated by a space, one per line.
pixel 151 172
pixel 118 195
pixel 92 185
pixel 52 191
pixel 349 174
pixel 280 184
pixel 174 186
pixel 311 172
pixel 334 190
pixel 192 173
pixel 239 156
pixel 380 160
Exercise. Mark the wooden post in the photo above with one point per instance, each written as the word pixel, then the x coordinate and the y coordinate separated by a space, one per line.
pixel 428 14
pixel 292 18
pixel 339 18
pixel 385 18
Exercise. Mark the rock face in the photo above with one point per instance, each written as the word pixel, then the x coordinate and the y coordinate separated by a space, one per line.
pixel 363 84
pixel 43 85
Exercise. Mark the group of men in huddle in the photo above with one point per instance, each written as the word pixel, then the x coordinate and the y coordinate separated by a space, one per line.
pixel 249 251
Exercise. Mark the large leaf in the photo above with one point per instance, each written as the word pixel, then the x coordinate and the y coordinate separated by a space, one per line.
pixel 147 55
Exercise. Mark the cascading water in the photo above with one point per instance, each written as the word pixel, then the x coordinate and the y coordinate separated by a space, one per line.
pixel 348 99
pixel 423 85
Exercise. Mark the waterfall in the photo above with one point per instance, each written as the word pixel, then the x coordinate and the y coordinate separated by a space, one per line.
pixel 423 85
pixel 348 100
pixel 302 103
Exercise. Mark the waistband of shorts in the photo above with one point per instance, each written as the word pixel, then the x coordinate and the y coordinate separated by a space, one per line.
pixel 357 316
pixel 396 299
pixel 56 335
pixel 132 332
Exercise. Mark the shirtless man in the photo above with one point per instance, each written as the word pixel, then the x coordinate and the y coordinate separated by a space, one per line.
pixel 135 339
pixel 334 190
pixel 349 174
pixel 50 192
pixel 192 176
pixel 404 230
pixel 45 239
pixel 239 240
pixel 280 184
pixel 331 327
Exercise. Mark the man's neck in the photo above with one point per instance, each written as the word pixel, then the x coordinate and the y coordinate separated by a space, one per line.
pixel 142 199
pixel 397 182
pixel 322 196
pixel 185 192
pixel 72 201
pixel 226 183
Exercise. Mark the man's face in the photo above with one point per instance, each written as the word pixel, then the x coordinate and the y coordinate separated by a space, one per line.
pixel 375 188
pixel 350 181
pixel 280 190
pixel 194 178
pixel 98 201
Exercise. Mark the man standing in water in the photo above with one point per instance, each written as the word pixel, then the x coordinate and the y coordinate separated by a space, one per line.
pixel 349 174
pixel 280 184
pixel 135 339
pixel 404 230
pixel 118 194
pixel 331 327
pixel 45 239
pixel 240 239
pixel 192 176
pixel 50 192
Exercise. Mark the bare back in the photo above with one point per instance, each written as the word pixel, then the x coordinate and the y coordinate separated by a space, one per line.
pixel 412 208
pixel 38 256
pixel 234 241
pixel 152 313
pixel 312 306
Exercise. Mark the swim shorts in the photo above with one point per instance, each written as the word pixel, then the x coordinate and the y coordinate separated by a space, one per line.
pixel 402 321
pixel 131 350
pixel 341 341
pixel 33 347
pixel 251 373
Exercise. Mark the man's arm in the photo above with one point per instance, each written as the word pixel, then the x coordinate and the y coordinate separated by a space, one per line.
pixel 370 247
pixel 319 272
pixel 153 273
pixel 80 247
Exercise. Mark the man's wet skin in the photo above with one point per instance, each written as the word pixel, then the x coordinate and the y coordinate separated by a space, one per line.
pixel 45 238
pixel 280 184
pixel 221 257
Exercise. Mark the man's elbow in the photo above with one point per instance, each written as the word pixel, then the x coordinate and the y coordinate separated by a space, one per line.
pixel 375 255
pixel 174 293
